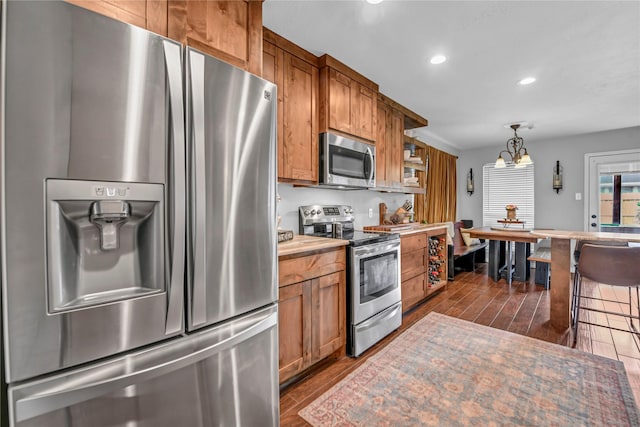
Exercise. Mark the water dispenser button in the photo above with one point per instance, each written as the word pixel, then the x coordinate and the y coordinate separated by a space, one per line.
pixel 111 191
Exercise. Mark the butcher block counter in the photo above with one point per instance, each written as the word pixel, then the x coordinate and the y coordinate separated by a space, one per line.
pixel 312 298
pixel 301 244
pixel 406 229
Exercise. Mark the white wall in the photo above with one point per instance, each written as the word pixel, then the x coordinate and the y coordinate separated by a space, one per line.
pixel 361 200
pixel 560 211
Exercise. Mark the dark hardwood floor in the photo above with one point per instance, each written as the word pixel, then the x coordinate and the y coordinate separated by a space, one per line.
pixel 522 308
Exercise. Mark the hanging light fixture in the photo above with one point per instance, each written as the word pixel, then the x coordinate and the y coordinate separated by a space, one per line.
pixel 516 151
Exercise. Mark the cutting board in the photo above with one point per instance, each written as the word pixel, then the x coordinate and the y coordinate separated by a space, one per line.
pixel 389 228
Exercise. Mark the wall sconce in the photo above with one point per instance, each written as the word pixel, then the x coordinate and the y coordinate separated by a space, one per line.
pixel 470 182
pixel 557 177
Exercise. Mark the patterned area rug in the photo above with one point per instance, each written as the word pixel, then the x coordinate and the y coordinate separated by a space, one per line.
pixel 449 372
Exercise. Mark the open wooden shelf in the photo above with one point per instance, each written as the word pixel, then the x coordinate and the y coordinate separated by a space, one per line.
pixel 416 166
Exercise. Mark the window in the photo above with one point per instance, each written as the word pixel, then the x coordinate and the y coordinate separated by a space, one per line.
pixel 507 186
pixel 619 198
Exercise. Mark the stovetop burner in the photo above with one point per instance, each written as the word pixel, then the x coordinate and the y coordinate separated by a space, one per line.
pixel 318 220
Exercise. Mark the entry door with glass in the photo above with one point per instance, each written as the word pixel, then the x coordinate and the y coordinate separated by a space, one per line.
pixel 613 192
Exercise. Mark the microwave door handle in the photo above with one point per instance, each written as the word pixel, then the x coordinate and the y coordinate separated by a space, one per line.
pixel 370 155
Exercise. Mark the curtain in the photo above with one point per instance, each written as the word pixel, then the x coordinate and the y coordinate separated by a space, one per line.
pixel 440 201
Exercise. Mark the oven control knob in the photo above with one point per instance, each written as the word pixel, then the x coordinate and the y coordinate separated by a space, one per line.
pixel 313 212
pixel 306 212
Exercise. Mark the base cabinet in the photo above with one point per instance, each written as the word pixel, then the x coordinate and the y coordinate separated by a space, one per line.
pixel 312 311
pixel 423 265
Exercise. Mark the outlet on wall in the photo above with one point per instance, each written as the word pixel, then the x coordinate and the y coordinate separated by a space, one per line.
pixel 370 212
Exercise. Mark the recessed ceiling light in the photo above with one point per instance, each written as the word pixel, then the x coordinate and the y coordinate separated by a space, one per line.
pixel 374 1
pixel 438 59
pixel 527 81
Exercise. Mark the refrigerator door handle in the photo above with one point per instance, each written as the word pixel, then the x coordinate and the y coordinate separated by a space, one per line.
pixel 65 391
pixel 198 197
pixel 173 62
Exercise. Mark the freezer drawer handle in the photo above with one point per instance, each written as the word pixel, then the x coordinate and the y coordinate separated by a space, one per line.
pixel 57 394
pixel 376 320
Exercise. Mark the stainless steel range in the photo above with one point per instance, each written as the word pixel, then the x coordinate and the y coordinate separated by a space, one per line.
pixel 373 271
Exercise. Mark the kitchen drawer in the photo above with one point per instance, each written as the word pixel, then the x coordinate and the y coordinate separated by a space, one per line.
pixel 412 291
pixel 413 263
pixel 411 243
pixel 305 267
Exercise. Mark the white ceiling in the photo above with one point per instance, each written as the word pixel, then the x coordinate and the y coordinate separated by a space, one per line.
pixel 584 54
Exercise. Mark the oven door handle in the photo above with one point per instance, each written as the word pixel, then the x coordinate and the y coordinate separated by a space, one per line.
pixel 376 248
pixel 371 168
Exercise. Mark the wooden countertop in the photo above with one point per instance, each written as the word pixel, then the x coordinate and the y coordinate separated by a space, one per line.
pixel 301 244
pixel 506 234
pixel 404 229
pixel 586 235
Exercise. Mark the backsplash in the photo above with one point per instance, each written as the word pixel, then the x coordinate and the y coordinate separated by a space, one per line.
pixel 361 200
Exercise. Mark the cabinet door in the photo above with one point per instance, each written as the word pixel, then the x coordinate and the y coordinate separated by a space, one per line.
pixel 381 145
pixel 363 108
pixel 413 263
pixel 229 30
pixel 329 318
pixel 272 70
pixel 395 148
pixel 149 14
pixel 413 291
pixel 340 102
pixel 294 328
pixel 298 154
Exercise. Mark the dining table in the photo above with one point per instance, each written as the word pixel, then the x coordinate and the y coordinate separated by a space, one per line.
pixel 501 261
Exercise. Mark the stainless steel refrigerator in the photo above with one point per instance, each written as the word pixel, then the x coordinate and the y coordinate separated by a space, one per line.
pixel 137 228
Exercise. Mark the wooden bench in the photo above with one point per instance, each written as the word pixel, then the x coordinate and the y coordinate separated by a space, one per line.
pixel 542 257
pixel 464 257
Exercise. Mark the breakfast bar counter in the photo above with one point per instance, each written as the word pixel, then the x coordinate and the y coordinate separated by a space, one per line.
pixel 561 267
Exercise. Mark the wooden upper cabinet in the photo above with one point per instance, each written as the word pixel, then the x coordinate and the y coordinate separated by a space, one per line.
pixel 364 111
pixel 340 117
pixel 229 30
pixel 347 101
pixel 389 145
pixel 381 145
pixel 294 71
pixel 395 150
pixel 149 14
pixel 300 124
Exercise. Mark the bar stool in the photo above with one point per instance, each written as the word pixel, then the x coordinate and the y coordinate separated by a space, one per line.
pixel 609 265
pixel 576 257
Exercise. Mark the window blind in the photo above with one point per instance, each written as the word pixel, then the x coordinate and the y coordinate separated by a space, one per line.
pixel 507 186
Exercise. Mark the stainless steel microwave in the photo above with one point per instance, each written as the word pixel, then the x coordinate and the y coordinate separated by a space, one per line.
pixel 346 162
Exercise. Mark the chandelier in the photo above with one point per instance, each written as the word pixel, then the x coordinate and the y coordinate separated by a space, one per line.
pixel 515 149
